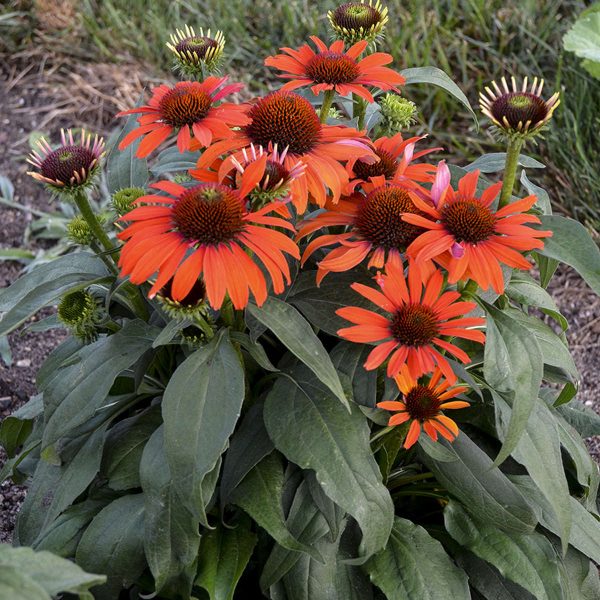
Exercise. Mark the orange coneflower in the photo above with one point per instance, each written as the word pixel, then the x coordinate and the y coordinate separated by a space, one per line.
pixel 468 237
pixel 395 157
pixel 187 105
pixel 285 120
pixel 203 231
pixel 376 228
pixel 333 69
pixel 423 404
pixel 420 316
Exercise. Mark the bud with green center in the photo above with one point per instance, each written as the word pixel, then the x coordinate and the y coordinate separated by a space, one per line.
pixel 80 313
pixel 356 21
pixel 122 200
pixel 79 231
pixel 397 113
pixel 196 55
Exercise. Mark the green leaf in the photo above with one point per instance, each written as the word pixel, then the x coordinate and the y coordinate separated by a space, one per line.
pixel 484 490
pixel 526 291
pixel 171 535
pixel 584 37
pixel 200 407
pixel 579 577
pixel 538 450
pixel 124 447
pixel 572 244
pixel 496 161
pixel 296 334
pixel 13 434
pixel 45 284
pixel 172 160
pixel 526 559
pixel 547 267
pixel 543 199
pixel 224 554
pixel 113 544
pixel 259 495
pixel 585 530
pixel 315 432
pixel 15 585
pixel 79 387
pixel 519 364
pixel 437 77
pixel 582 418
pixel 249 445
pixel 348 359
pixel 414 565
pixel 123 169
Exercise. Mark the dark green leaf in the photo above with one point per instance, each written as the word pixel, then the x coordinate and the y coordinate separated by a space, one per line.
pixel 200 407
pixel 171 535
pixel 482 487
pixel 584 419
pixel 224 554
pixel 316 432
pixel 526 559
pixel 348 358
pixel 414 565
pixel 113 544
pixel 496 161
pixel 13 434
pixel 296 334
pixel 172 160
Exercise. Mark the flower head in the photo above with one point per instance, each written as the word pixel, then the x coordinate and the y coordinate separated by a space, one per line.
pixel 71 166
pixel 375 229
pixel 356 21
pixel 419 316
pixel 79 312
pixel 123 200
pixel 204 230
pixel 422 404
pixel 192 306
pixel 468 237
pixel 518 112
pixel 188 107
pixel 335 69
pixel 196 54
pixel 288 122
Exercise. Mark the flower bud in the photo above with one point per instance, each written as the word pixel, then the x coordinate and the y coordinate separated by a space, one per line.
pixel 122 200
pixel 196 55
pixel 397 113
pixel 79 312
pixel 356 21
pixel 79 232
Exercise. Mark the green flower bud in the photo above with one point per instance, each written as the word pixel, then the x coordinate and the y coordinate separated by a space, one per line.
pixel 79 231
pixel 356 21
pixel 398 113
pixel 79 312
pixel 123 199
pixel 196 55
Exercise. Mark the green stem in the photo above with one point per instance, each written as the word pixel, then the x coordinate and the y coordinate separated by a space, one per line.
pixel 381 433
pixel 327 102
pixel 359 109
pixel 88 214
pixel 470 289
pixel 510 170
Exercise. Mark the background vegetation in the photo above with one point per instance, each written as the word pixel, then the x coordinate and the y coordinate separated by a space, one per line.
pixel 473 40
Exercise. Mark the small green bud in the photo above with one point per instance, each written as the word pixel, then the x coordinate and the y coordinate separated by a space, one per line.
pixel 398 113
pixel 79 231
pixel 79 312
pixel 123 199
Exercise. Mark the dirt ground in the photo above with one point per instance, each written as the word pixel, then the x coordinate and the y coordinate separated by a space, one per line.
pixel 39 92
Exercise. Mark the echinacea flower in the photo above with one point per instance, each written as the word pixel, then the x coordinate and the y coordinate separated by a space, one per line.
pixel 518 111
pixel 69 167
pixel 189 108
pixel 204 230
pixel 195 53
pixel 376 228
pixel 468 237
pixel 192 306
pixel 335 69
pixel 395 163
pixel 355 21
pixel 422 405
pixel 287 121
pixel 419 316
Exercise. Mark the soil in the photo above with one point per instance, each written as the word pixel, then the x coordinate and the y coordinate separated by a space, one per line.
pixel 39 91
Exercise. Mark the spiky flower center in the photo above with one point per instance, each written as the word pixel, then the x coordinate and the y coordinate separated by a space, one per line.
pixel 414 325
pixel 194 297
pixel 332 67
pixel 468 220
pixel 285 119
pixel 275 174
pixel 519 107
pixel 184 105
pixel 76 307
pixel 196 45
pixel 355 15
pixel 386 166
pixel 209 213
pixel 62 163
pixel 422 403
pixel 379 218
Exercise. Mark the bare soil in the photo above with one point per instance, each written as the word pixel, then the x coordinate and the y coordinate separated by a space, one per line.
pixel 42 92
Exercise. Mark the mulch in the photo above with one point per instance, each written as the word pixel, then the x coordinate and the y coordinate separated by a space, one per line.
pixel 41 91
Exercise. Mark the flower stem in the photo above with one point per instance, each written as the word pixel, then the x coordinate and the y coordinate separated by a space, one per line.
pixel 470 289
pixel 359 108
pixel 510 170
pixel 327 102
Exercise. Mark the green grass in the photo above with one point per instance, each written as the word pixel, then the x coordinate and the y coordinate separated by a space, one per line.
pixel 472 40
